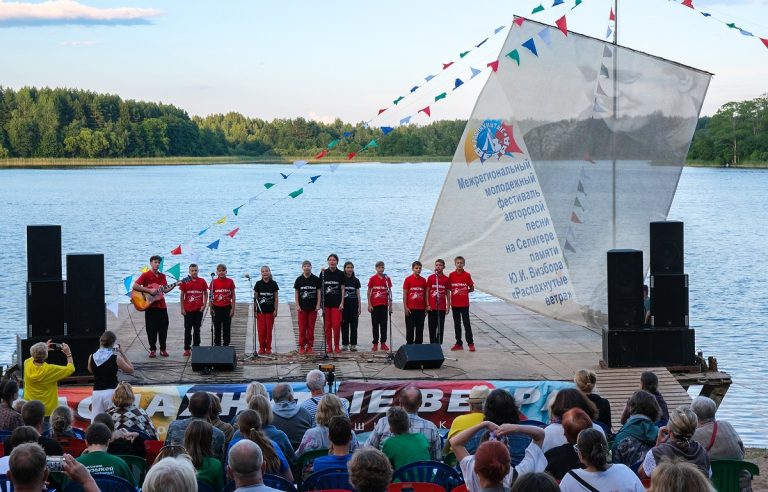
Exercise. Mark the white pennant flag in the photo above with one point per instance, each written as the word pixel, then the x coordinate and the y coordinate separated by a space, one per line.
pixel 114 308
pixel 299 164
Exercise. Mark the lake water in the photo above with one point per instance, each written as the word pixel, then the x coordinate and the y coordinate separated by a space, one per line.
pixel 368 212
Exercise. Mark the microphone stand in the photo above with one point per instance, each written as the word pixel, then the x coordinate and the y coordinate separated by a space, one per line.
pixel 390 355
pixel 210 297
pixel 322 308
pixel 440 319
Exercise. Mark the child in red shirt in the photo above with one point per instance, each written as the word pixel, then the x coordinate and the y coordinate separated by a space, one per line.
pixel 438 302
pixel 223 303
pixel 415 304
pixel 379 305
pixel 194 298
pixel 461 285
pixel 156 317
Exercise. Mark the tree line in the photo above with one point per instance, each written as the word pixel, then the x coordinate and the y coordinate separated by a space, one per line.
pixel 52 123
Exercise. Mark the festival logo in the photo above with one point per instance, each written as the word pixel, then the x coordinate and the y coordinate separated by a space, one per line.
pixel 492 139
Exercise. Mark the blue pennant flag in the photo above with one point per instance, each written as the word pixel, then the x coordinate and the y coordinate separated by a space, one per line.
pixel 498 29
pixel 705 14
pixel 386 130
pixel 312 179
pixel 745 33
pixel 285 176
pixel 545 36
pixel 213 245
pixel 202 232
pixel 481 43
pixel 334 167
pixel 413 89
pixel 558 2
pixel 429 77
pixel 346 134
pixel 458 83
pixel 405 120
pixel 531 46
pixel 474 72
pixel 127 282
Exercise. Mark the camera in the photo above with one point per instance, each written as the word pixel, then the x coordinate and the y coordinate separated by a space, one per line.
pixel 55 463
pixel 116 348
pixel 55 346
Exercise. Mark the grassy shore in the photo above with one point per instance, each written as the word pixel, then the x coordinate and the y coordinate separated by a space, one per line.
pixel 740 165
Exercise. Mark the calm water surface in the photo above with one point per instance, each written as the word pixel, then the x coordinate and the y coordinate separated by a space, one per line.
pixel 369 212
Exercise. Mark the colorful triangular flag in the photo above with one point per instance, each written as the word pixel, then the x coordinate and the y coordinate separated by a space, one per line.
pixel 386 130
pixel 440 96
pixel 233 232
pixel 405 120
pixel 531 46
pixel 577 203
pixel 299 164
pixel 494 65
pixel 334 167
pixel 285 176
pixel 612 16
pixel 128 283
pixel 174 271
pixel 222 220
pixel 346 134
pixel 382 110
pixel 202 232
pixel 498 29
pixel 474 72
pixel 515 56
pixel 558 2
pixel 568 247
pixel 237 210
pixel 371 145
pixel 351 155
pixel 600 90
pixel 114 308
pixel 562 24
pixel 268 185
pixel 575 218
pixel 457 83
pixel 463 54
pixel 312 179
pixel 538 9
pixel 321 154
pixel 176 250
pixel 607 52
pixel 687 3
pixel 765 41
pixel 608 33
pixel 425 110
pixel 545 36
pixel 481 43
pixel 604 71
pixel 398 100
pixel 705 14
pixel 429 77
pixel 296 193
pixel 746 33
pixel 333 143
pixel 214 245
pixel 414 88
pixel 519 21
pixel 580 188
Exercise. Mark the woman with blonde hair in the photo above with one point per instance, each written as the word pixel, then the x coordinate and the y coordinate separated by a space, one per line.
pixel 317 437
pixel 586 380
pixel 255 388
pixel 214 415
pixel 127 415
pixel 250 427
pixel 679 476
pixel 260 404
pixel 675 441
pixel 198 441
pixel 41 379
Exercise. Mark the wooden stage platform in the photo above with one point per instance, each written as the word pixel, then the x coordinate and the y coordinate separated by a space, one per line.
pixel 512 344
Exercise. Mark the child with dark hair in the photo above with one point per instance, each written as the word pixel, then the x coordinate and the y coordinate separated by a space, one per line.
pixel 97 460
pixel 415 304
pixel 403 447
pixel 501 408
pixel 307 298
pixel 461 285
pixel 352 308
pixel 340 435
pixel 565 400
pixel 379 305
pixel 649 382
pixel 332 280
pixel 540 482
pixel 223 304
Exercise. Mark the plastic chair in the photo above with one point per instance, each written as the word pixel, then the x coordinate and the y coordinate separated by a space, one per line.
pixel 4 434
pixel 726 473
pixel 304 460
pixel 203 486
pixel 75 447
pixel 106 483
pixel 537 423
pixel 152 449
pixel 336 479
pixel 5 484
pixel 414 487
pixel 278 482
pixel 428 471
pixel 137 465
pixel 460 488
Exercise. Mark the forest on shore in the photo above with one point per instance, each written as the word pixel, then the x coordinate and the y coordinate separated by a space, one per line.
pixel 40 124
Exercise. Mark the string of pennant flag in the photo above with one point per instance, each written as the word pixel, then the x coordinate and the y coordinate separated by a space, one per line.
pixel 730 25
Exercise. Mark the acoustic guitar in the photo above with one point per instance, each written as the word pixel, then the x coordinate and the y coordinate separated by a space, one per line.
pixel 142 300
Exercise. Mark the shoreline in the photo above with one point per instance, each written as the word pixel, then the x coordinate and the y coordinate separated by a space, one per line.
pixel 69 163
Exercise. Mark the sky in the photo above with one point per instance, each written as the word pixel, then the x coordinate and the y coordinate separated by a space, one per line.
pixel 339 58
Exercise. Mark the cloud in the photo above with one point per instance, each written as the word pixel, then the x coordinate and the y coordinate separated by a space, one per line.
pixel 86 42
pixel 322 119
pixel 71 12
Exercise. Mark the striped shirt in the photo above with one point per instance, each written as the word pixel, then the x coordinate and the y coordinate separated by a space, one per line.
pixel 310 405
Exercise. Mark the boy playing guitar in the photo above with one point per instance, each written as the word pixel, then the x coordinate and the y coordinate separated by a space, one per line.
pixel 156 316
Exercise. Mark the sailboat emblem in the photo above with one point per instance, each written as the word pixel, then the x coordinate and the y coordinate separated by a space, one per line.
pixel 494 138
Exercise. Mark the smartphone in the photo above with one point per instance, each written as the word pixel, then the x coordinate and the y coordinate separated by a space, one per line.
pixel 55 463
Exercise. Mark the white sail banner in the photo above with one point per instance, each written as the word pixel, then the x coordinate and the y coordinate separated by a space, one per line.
pixel 565 156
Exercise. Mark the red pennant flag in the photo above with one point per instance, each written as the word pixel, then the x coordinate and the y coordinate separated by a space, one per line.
pixel 765 42
pixel 425 111
pixel 321 154
pixel 176 250
pixel 612 17
pixel 233 232
pixel 519 21
pixel 688 3
pixel 351 155
pixel 575 218
pixel 446 65
pixel 494 65
pixel 382 110
pixel 562 25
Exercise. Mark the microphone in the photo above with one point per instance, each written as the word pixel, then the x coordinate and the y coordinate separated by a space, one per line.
pixel 213 275
pixel 247 275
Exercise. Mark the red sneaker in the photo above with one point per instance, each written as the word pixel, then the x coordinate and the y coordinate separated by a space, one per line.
pixel 268 351
pixel 375 347
pixel 152 354
pixel 163 353
pixel 262 351
pixel 471 347
pixel 310 351
pixel 301 350
pixel 457 347
pixel 338 350
pixel 187 353
pixel 384 346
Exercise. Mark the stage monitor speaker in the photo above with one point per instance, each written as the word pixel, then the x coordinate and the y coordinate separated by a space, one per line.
pixel 43 252
pixel 419 356
pixel 625 289
pixel 667 247
pixel 649 347
pixel 46 308
pixel 82 348
pixel 669 301
pixel 85 294
pixel 215 358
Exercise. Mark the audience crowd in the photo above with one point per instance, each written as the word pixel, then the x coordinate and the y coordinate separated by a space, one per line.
pixel 492 448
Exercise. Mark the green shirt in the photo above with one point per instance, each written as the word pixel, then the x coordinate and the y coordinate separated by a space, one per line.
pixel 106 464
pixel 406 448
pixel 212 472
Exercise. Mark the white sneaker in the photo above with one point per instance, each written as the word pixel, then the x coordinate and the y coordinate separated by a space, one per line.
pixel 353 348
pixel 345 348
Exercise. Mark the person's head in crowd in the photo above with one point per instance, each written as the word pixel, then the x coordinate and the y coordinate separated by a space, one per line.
pixel 679 476
pixel 410 399
pixel 316 382
pixel 171 451
pixel 704 408
pixel 330 406
pixel 398 420
pixel 501 408
pixel 9 392
pixel 200 404
pixel 592 449
pixel 585 380
pixel 198 440
pixel 644 403
pixel 26 467
pixel 282 392
pixel 369 470
pixel 107 339
pixel 682 424
pixel 61 420
pixel 477 397
pixel 244 463
pixel 260 404
pixel 568 398
pixel 215 411
pixel 39 352
pixel 123 396
pixel 649 381
pixel 340 430
pixel 19 404
pixel 255 388
pixel 106 419
pixel 171 474
pixel 574 421
pixel 492 463
pixel 250 426
pixel 32 413
pixel 97 437
pixel 23 434
pixel 535 482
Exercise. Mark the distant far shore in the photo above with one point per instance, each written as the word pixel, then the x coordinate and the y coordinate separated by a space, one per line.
pixel 60 163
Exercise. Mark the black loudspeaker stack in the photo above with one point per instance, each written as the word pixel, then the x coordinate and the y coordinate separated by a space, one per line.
pixel 214 359
pixel 86 314
pixel 667 341
pixel 419 356
pixel 46 290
